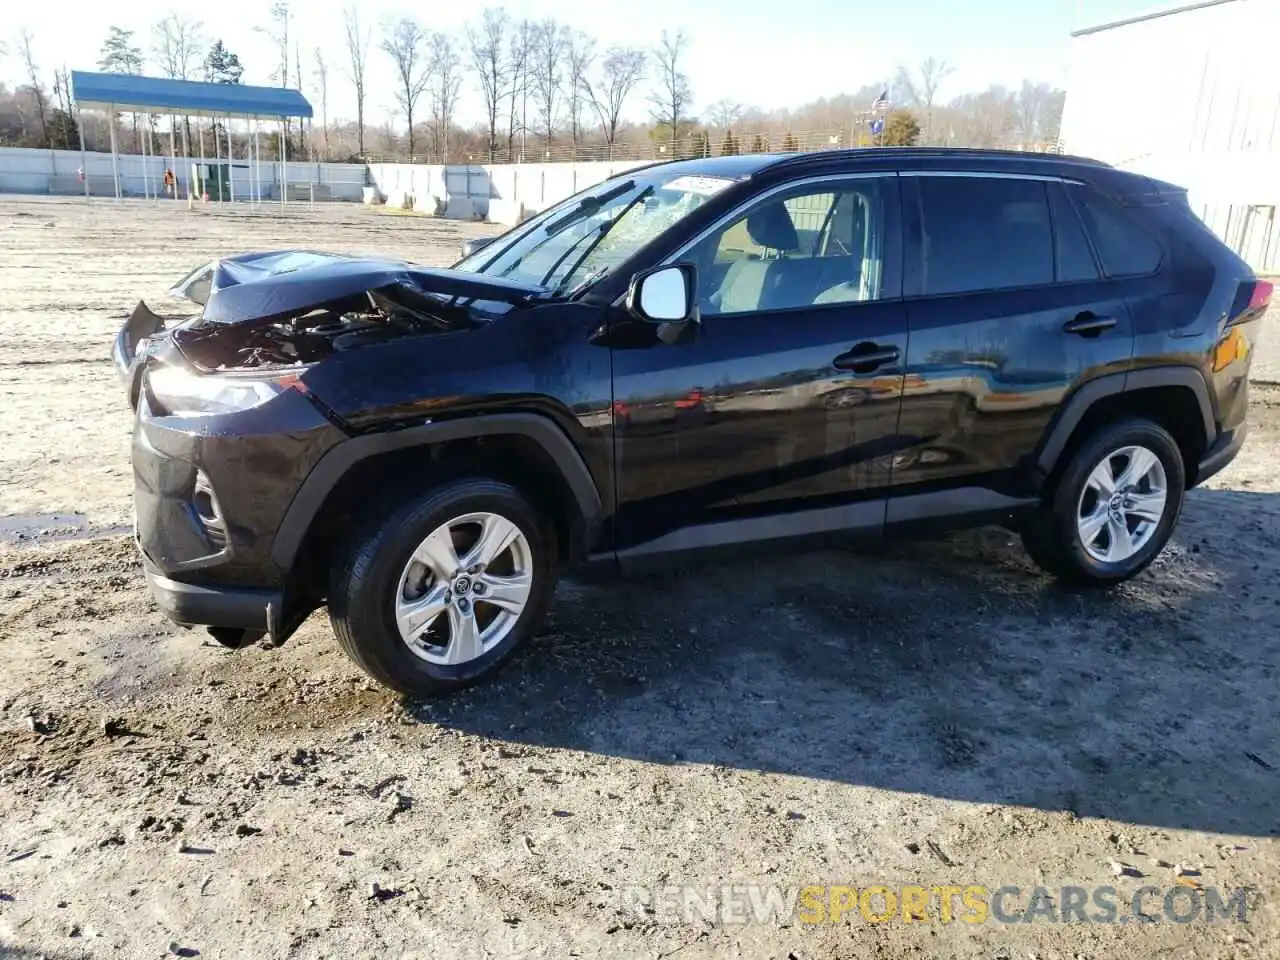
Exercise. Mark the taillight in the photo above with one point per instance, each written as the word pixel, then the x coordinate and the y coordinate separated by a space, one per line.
pixel 1252 299
pixel 1260 299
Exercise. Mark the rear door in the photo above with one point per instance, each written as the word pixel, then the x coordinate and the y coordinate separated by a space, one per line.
pixel 1008 311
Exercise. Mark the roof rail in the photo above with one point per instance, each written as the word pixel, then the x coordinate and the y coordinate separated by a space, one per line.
pixel 819 157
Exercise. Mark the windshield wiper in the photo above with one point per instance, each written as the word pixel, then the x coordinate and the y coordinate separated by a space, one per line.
pixel 586 207
pixel 601 232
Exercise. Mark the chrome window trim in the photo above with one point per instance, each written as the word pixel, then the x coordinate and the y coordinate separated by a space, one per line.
pixel 984 175
pixel 842 177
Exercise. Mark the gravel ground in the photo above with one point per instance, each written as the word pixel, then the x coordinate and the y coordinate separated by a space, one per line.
pixel 923 713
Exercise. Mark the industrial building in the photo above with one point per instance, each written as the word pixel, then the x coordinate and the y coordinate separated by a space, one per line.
pixel 1190 94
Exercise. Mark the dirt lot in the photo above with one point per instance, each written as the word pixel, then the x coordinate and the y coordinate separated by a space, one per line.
pixel 919 714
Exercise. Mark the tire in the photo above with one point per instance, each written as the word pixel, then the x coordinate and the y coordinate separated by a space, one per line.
pixel 380 569
pixel 1061 537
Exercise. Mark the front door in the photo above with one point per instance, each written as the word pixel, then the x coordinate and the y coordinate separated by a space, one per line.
pixel 783 400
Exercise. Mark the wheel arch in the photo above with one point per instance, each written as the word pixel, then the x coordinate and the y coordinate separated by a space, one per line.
pixel 554 449
pixel 1191 418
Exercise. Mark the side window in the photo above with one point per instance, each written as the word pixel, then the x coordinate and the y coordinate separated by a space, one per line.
pixel 810 247
pixel 984 233
pixel 1075 259
pixel 1125 248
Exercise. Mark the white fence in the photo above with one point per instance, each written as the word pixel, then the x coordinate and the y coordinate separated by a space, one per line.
pixel 533 186
pixel 57 172
pixel 1237 195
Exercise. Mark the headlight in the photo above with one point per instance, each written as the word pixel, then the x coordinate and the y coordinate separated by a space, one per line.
pixel 183 393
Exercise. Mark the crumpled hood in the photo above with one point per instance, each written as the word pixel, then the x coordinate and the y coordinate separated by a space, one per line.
pixel 258 286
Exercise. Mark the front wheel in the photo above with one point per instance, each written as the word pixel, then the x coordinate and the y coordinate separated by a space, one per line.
pixel 438 593
pixel 1114 506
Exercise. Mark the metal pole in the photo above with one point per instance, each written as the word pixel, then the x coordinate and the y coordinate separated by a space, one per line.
pixel 84 156
pixel 231 170
pixel 257 173
pixel 146 187
pixel 173 155
pixel 115 167
pixel 186 155
pixel 284 166
pixel 217 147
pixel 203 186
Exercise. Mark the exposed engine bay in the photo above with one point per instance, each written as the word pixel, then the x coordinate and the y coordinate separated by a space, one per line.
pixel 282 309
pixel 314 334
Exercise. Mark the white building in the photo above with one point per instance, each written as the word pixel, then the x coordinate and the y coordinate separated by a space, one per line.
pixel 1190 94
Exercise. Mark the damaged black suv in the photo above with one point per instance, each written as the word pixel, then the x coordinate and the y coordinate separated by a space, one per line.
pixel 763 351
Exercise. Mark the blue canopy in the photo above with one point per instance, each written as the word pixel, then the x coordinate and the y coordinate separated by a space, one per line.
pixel 129 94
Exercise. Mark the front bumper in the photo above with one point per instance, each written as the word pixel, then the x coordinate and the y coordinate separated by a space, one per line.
pixel 1221 454
pixel 191 604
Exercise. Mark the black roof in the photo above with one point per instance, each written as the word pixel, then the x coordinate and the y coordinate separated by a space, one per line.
pixel 746 165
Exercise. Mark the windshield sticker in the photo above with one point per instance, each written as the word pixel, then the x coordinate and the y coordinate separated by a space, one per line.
pixel 707 186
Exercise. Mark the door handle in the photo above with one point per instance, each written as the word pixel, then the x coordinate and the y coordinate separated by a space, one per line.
pixel 1088 324
pixel 866 358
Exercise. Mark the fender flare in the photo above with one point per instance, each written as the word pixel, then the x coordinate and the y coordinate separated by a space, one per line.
pixel 1074 410
pixel 331 468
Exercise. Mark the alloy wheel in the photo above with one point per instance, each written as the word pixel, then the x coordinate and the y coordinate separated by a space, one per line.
pixel 464 588
pixel 1123 501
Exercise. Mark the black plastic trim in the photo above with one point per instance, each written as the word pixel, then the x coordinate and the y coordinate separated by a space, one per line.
pixel 976 502
pixel 1220 454
pixel 866 516
pixel 1078 405
pixel 341 458
pixel 190 604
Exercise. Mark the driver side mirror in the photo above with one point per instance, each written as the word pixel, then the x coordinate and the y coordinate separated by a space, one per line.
pixel 476 243
pixel 664 294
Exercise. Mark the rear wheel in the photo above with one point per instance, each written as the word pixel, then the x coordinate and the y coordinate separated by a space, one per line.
pixel 440 592
pixel 1114 506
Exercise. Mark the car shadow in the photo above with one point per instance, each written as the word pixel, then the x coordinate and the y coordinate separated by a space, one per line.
pixel 952 669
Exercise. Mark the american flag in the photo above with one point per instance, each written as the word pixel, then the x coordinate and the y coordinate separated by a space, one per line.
pixel 881 102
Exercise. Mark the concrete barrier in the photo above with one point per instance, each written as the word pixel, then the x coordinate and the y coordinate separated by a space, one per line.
pixel 461 208
pixel 509 212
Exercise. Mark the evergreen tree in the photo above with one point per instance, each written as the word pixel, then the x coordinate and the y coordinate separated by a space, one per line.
pixel 901 129
pixel 221 65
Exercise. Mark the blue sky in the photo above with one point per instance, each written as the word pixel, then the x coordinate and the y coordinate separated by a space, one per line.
pixel 766 54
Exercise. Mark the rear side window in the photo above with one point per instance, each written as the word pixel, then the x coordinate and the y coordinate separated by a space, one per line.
pixel 1075 259
pixel 1124 246
pixel 984 233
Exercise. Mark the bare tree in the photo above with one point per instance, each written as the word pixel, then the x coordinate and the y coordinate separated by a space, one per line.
pixel 547 70
pixel 485 47
pixel 33 80
pixel 1032 107
pixel 723 114
pixel 278 32
pixel 405 43
pixel 621 71
pixel 178 45
pixel 518 57
pixel 672 98
pixel 357 54
pixel 580 54
pixel 322 76
pixel 920 89
pixel 985 119
pixel 64 129
pixel 446 85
